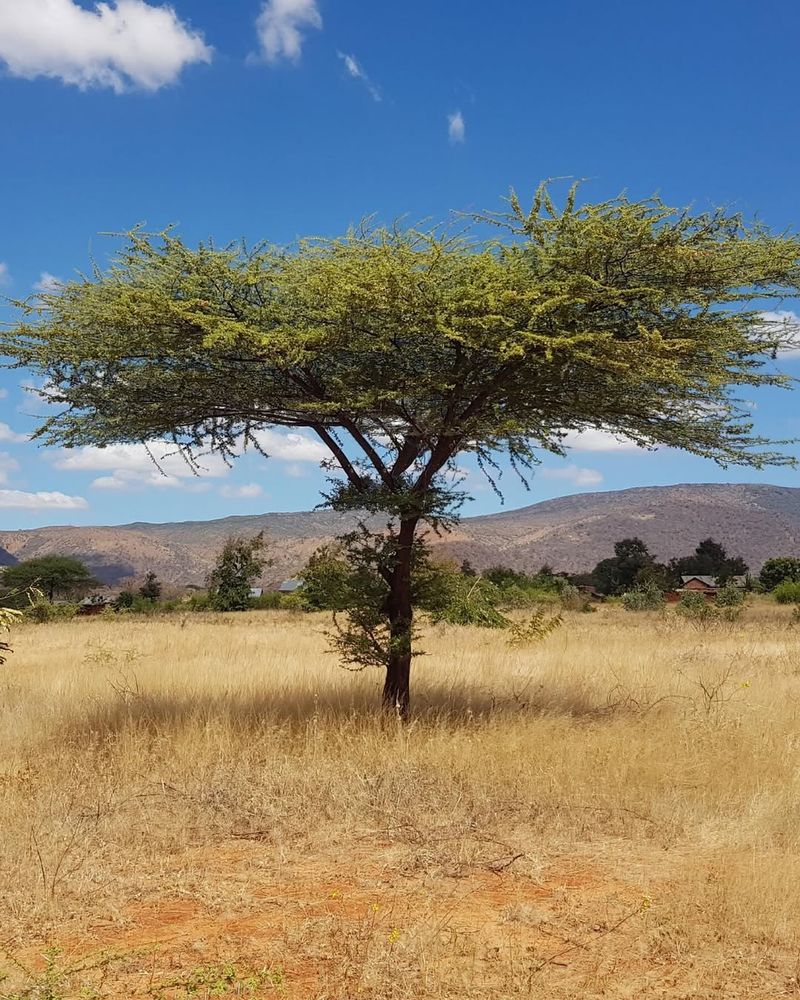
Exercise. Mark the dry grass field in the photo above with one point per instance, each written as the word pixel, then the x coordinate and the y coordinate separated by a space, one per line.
pixel 210 807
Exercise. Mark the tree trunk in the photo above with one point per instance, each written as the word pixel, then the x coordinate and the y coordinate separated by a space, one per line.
pixel 396 690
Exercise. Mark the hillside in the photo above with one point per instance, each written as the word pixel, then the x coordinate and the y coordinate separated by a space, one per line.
pixel 570 533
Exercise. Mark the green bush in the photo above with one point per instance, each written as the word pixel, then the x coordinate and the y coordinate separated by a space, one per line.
pixel 695 605
pixel 42 612
pixel 645 598
pixel 730 596
pixel 267 602
pixel 787 592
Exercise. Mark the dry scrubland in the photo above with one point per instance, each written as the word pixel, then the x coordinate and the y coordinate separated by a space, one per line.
pixel 211 807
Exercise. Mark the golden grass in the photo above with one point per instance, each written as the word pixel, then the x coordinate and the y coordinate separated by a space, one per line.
pixel 614 812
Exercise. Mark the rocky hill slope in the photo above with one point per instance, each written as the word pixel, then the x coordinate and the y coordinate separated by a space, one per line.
pixel 570 533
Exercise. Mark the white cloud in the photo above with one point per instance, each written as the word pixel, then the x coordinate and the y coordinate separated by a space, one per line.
pixel 356 70
pixel 152 459
pixel 47 283
pixel 575 475
pixel 41 501
pixel 279 27
pixel 7 464
pixel 5 277
pixel 292 447
pixel 595 439
pixel 119 44
pixel 3 393
pixel 6 434
pixel 132 467
pixel 785 325
pixel 246 492
pixel 456 127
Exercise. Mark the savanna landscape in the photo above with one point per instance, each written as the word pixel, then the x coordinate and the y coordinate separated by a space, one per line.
pixel 399 500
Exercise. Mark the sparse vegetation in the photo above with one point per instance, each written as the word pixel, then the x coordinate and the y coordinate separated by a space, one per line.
pixel 200 803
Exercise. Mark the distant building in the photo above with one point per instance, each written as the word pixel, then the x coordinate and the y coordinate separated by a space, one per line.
pixel 97 604
pixel 290 586
pixel 708 585
pixel 256 591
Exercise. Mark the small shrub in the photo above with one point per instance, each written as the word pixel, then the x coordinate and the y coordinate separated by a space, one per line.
pixel 293 602
pixel 126 599
pixel 267 602
pixel 695 606
pixel 534 629
pixel 644 598
pixel 730 596
pixel 787 592
pixel 41 611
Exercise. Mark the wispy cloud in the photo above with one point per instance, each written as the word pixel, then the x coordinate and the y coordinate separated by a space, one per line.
pixel 5 276
pixel 6 434
pixel 595 439
pixel 40 501
pixel 7 464
pixel 575 475
pixel 292 447
pixel 280 27
pixel 784 325
pixel 122 45
pixel 47 283
pixel 356 70
pixel 456 127
pixel 249 491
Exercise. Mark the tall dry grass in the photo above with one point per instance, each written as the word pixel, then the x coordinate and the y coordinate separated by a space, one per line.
pixel 667 755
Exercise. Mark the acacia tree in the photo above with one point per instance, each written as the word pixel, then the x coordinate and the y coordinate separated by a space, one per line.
pixel 401 349
pixel 52 574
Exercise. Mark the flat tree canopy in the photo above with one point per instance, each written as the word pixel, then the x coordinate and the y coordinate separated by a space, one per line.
pixel 54 575
pixel 402 349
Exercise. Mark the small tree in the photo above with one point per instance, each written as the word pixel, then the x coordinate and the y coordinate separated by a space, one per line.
pixel 239 565
pixel 55 576
pixel 631 566
pixel 403 349
pixel 709 559
pixel 777 570
pixel 151 588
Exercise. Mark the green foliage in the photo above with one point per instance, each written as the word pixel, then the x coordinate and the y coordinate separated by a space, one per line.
pixel 694 606
pixel 467 600
pixel 632 566
pixel 266 602
pixel 787 592
pixel 41 611
pixel 239 565
pixel 700 611
pixel 647 597
pixel 125 599
pixel 56 576
pixel 151 588
pixel 534 629
pixel 730 596
pixel 708 559
pixel 775 571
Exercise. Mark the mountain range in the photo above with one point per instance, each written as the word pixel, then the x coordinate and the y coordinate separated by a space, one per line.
pixel 569 533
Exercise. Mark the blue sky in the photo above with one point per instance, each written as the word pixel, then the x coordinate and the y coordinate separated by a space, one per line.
pixel 292 117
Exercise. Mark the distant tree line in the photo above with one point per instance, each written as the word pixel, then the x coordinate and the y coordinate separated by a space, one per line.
pixel 445 591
